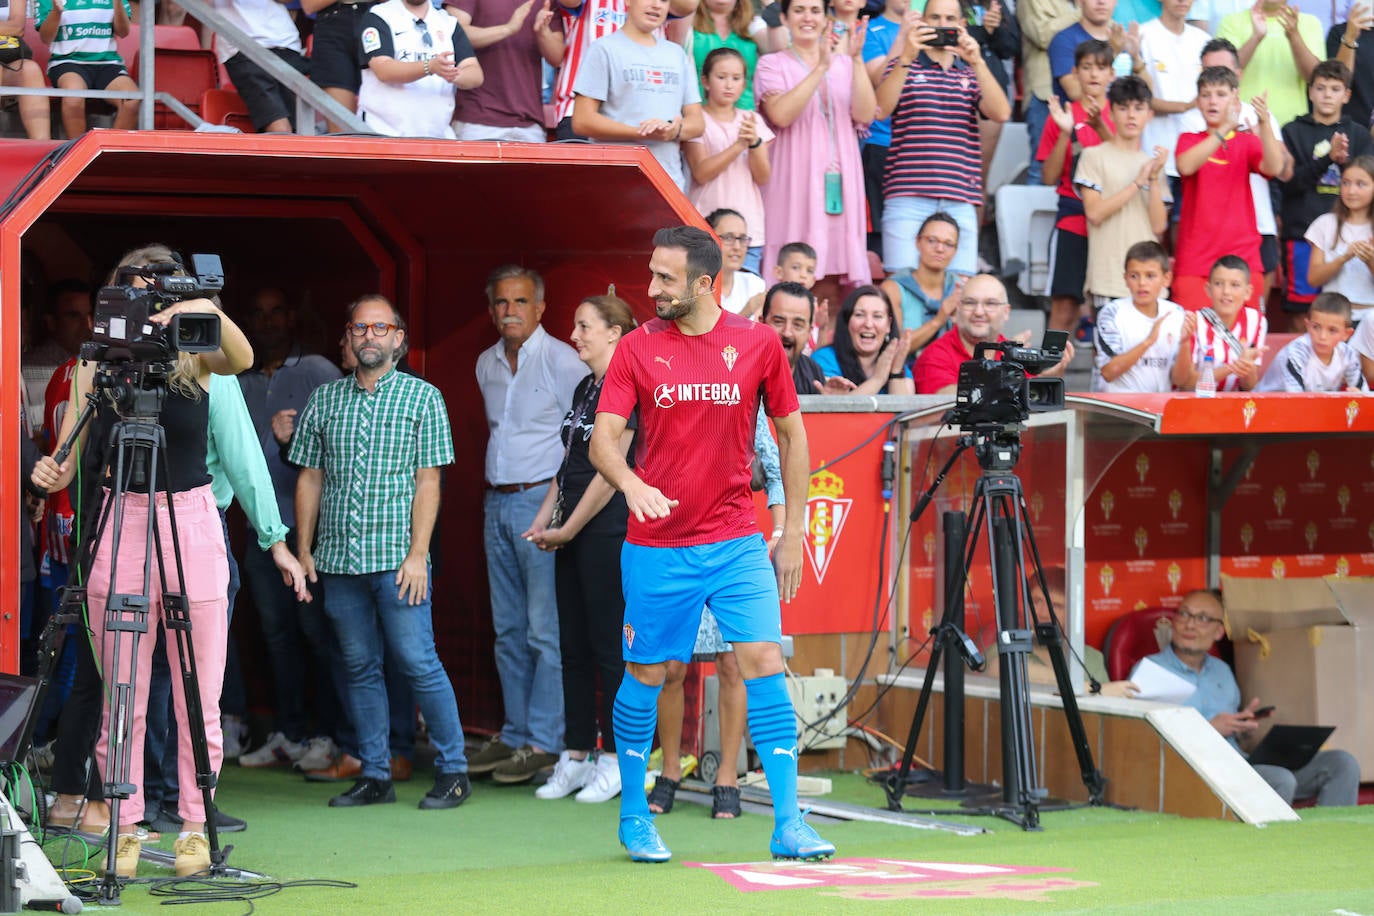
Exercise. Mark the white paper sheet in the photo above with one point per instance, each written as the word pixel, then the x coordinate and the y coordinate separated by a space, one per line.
pixel 1160 684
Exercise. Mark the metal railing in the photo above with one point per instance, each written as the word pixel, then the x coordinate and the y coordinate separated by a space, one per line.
pixel 310 99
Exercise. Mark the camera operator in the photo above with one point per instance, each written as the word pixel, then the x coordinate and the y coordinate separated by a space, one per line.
pixel 184 418
pixel 982 313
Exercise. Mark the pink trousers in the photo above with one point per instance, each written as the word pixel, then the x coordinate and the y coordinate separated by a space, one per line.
pixel 206 568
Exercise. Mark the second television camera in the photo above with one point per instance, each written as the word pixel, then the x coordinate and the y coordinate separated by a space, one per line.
pixel 122 330
pixel 1002 392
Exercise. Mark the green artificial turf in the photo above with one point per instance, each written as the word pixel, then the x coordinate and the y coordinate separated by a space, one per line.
pixel 507 852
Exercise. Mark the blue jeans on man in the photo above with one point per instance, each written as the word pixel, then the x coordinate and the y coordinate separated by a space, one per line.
pixel 369 619
pixel 524 611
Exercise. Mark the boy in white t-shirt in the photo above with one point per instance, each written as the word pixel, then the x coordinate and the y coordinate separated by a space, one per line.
pixel 1136 339
pixel 1172 50
pixel 1322 359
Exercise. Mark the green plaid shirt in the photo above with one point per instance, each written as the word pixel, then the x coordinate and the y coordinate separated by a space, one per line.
pixel 370 444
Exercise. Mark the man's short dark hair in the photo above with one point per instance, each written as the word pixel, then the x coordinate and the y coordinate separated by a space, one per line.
pixel 1094 48
pixel 514 272
pixel 1218 76
pixel 70 287
pixel 1330 70
pixel 789 288
pixel 1220 44
pixel 1129 89
pixel 1145 252
pixel 1332 304
pixel 703 253
pixel 365 298
pixel 1230 262
pixel 791 248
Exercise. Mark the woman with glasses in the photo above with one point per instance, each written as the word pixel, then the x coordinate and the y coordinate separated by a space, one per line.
pixel 869 348
pixel 738 290
pixel 925 296
pixel 184 417
pixel 817 96
pixel 584 519
pixel 730 160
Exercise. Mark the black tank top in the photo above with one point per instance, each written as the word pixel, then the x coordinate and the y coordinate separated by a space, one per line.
pixel 185 422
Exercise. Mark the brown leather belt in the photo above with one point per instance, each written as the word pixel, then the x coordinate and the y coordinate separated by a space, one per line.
pixel 517 487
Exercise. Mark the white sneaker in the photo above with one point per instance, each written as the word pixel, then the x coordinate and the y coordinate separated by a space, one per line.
pixel 569 775
pixel 277 752
pixel 234 733
pixel 605 782
pixel 318 753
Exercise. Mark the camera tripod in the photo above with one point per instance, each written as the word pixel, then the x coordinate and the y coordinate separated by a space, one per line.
pixel 999 507
pixel 138 460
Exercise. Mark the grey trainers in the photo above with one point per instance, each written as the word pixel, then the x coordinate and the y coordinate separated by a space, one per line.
pixel 491 756
pixel 522 766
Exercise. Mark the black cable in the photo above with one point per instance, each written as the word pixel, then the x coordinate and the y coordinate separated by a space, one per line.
pixel 32 177
pixel 207 889
pixel 887 425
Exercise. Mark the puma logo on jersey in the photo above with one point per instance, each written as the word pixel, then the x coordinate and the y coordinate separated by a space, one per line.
pixel 631 752
pixel 786 752
pixel 666 360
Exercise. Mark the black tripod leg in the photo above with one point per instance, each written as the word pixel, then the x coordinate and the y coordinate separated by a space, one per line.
pixel 1051 636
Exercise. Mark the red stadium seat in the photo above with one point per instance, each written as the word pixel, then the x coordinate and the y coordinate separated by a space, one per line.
pixel 225 106
pixel 1132 637
pixel 128 47
pixel 180 37
pixel 185 75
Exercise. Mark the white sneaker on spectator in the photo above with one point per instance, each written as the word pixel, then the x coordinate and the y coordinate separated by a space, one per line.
pixel 569 775
pixel 234 733
pixel 277 752
pixel 605 782
pixel 319 753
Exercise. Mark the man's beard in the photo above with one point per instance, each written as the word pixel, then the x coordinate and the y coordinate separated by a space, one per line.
pixel 670 312
pixel 793 351
pixel 371 357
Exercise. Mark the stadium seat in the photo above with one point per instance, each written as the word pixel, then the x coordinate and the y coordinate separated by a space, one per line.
pixel 37 46
pixel 1132 637
pixel 1025 221
pixel 128 47
pixel 225 106
pixel 181 37
pixel 185 75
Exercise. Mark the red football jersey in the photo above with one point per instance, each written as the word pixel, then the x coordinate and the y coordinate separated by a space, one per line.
pixel 698 400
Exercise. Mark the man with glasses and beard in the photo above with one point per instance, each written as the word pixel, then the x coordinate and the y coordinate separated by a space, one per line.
pixel 415 57
pixel 370 447
pixel 1332 777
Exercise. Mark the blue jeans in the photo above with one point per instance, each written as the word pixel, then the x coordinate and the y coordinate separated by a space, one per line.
pixel 902 219
pixel 295 633
pixel 524 612
pixel 370 619
pixel 159 744
pixel 1037 113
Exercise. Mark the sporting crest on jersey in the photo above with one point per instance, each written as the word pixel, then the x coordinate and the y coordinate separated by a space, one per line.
pixel 729 354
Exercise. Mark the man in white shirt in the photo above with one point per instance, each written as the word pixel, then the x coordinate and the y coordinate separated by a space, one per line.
pixel 527 380
pixel 270 104
pixel 415 57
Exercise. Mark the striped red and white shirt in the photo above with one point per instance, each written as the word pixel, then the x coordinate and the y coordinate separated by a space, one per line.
pixel 1250 329
pixel 592 20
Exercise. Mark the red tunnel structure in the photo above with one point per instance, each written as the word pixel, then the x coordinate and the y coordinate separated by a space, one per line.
pixel 326 220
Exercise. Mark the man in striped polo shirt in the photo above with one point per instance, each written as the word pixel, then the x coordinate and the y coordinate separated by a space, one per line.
pixel 81 37
pixel 934 93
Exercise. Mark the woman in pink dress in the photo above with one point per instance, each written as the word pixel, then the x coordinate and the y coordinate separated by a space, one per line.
pixel 817 96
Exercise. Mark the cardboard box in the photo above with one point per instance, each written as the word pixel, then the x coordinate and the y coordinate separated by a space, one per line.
pixel 1306 646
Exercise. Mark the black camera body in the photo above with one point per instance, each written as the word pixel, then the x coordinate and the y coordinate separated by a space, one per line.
pixel 122 330
pixel 944 38
pixel 1001 392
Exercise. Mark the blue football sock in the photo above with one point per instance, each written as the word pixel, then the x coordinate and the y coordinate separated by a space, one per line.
pixel 636 717
pixel 773 726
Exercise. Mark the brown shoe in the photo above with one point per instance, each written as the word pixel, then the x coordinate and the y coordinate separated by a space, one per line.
pixel 523 765
pixel 492 755
pixel 400 769
pixel 345 767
